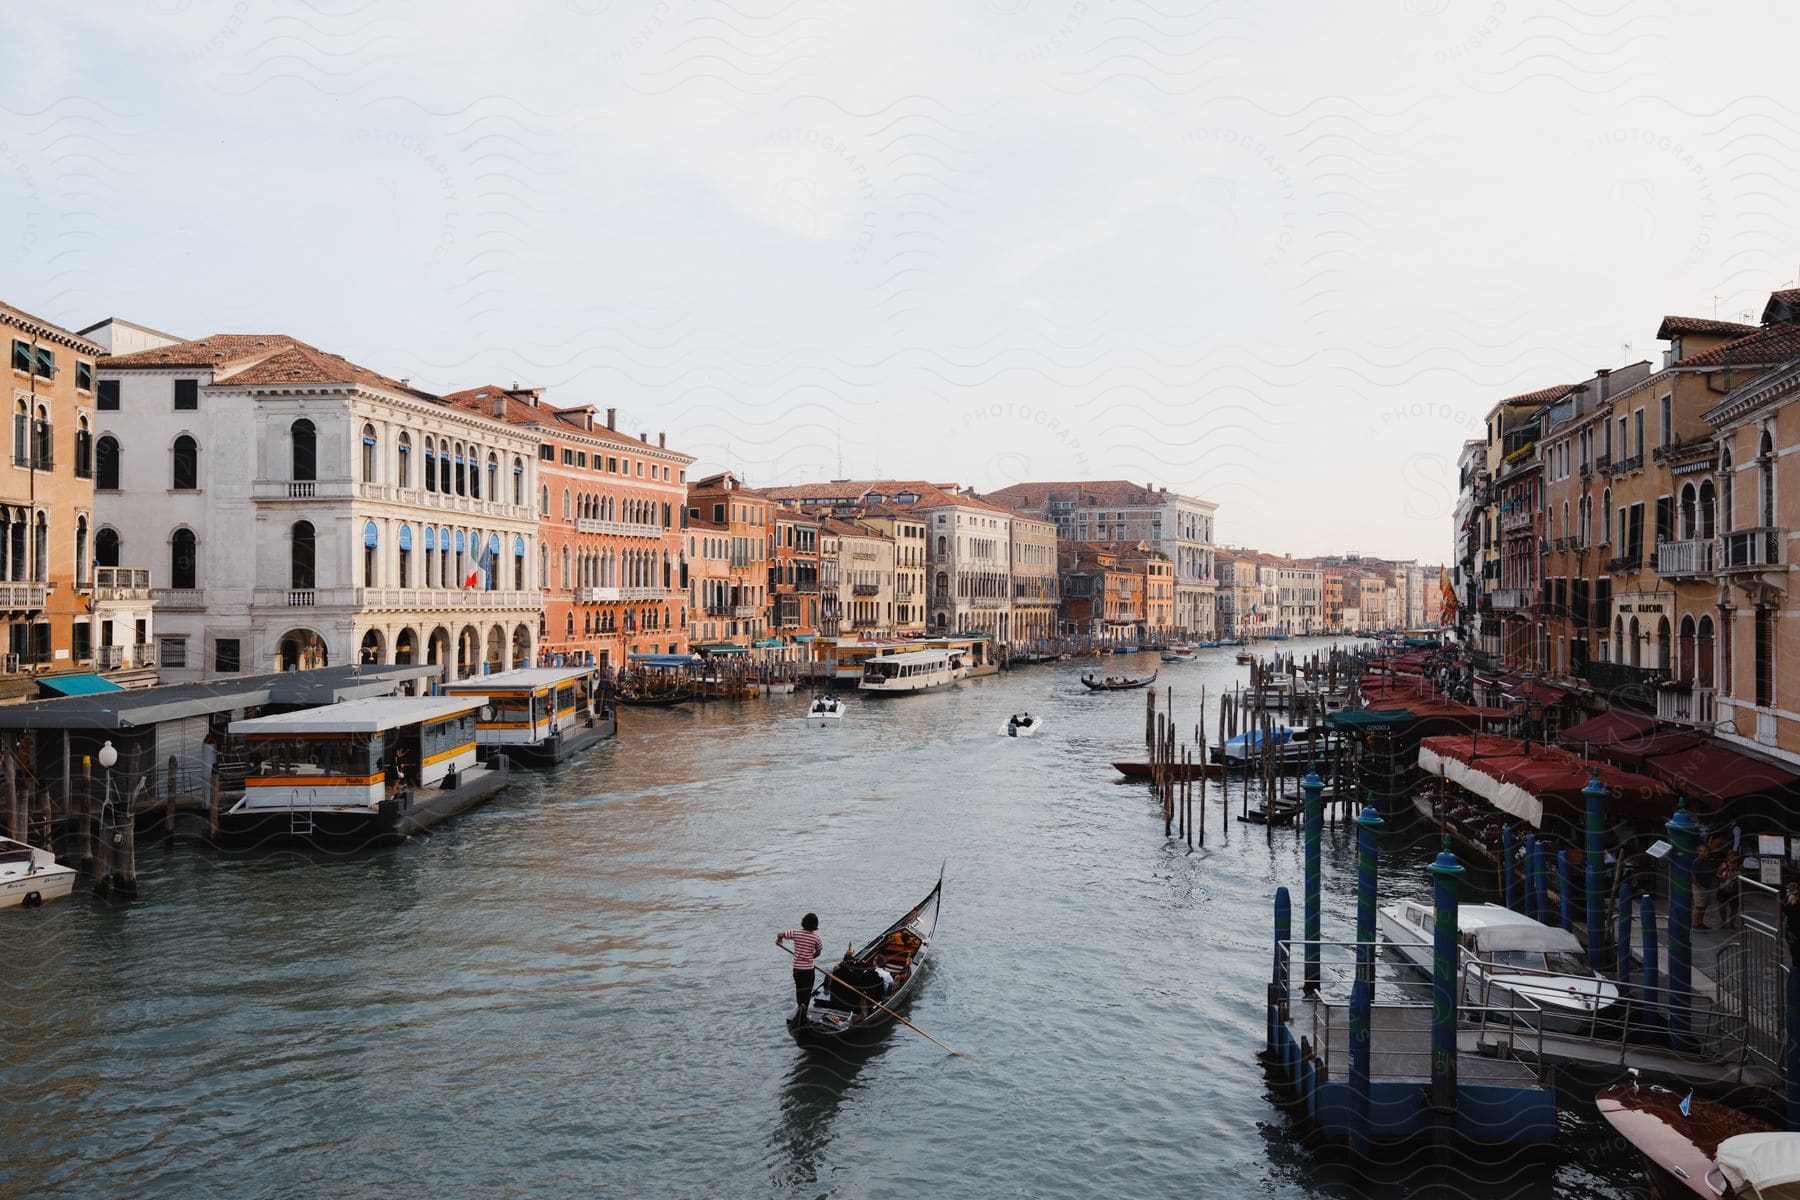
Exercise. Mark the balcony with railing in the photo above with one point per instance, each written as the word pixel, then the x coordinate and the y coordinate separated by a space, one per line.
pixel 745 612
pixel 23 597
pixel 1627 686
pixel 1685 702
pixel 598 595
pixel 1626 466
pixel 180 599
pixel 1751 550
pixel 1513 599
pixel 301 489
pixel 865 589
pixel 1685 559
pixel 618 528
pixel 121 583
pixel 1514 522
pixel 1625 562
pixel 1603 462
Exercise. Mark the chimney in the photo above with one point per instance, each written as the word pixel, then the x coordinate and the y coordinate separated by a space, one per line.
pixel 500 404
pixel 1600 383
pixel 644 438
pixel 662 440
pixel 612 418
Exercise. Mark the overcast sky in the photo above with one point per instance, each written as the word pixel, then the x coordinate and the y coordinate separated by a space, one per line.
pixel 1282 256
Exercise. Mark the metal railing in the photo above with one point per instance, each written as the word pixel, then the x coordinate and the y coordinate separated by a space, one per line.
pixel 23 597
pixel 184 599
pixel 1752 549
pixel 121 583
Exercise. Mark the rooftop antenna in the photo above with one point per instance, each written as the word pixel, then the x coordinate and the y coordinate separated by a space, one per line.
pixel 840 448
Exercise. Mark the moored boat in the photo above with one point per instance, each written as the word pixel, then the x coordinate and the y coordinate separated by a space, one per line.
pixel 539 715
pixel 909 671
pixel 1513 961
pixel 888 970
pixel 29 876
pixel 1116 683
pixel 362 772
pixel 1693 1147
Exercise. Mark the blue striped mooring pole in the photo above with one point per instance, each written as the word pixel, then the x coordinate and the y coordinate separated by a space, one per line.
pixel 1313 788
pixel 1683 836
pixel 1284 934
pixel 1368 846
pixel 1445 872
pixel 1360 1028
pixel 1594 854
pixel 1540 881
pixel 1647 922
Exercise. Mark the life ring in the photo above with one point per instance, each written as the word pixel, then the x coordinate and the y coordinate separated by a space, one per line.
pixel 32 900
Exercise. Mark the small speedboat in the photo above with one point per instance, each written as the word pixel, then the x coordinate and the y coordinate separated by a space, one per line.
pixel 1022 725
pixel 1515 962
pixel 1179 654
pixel 826 711
pixel 1692 1147
pixel 29 876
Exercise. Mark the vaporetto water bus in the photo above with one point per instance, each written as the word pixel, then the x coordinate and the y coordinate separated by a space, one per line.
pixel 539 716
pixel 363 772
pixel 910 671
pixel 843 659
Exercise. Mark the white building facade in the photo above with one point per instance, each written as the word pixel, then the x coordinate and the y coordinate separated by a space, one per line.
pixel 296 510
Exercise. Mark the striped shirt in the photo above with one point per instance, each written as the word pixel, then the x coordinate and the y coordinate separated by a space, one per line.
pixel 807 947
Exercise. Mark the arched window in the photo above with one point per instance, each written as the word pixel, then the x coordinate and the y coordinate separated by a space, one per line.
pixel 43 441
pixel 21 433
pixel 403 460
pixel 568 510
pixel 1689 519
pixel 562 580
pixel 461 479
pixel 1765 481
pixel 305 440
pixel 302 574
pixel 519 482
pixel 403 537
pixel 1662 644
pixel 186 464
pixel 106 548
pixel 1727 493
pixel 431 482
pixel 81 551
pixel 40 549
pixel 1606 517
pixel 106 464
pixel 84 450
pixel 543 566
pixel 942 544
pixel 475 472
pixel 1703 653
pixel 1684 666
pixel 493 480
pixel 183 560
pixel 368 454
pixel 1707 499
pixel 544 500
pixel 371 555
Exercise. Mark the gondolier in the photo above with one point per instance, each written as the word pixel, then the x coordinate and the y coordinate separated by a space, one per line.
pixel 807 946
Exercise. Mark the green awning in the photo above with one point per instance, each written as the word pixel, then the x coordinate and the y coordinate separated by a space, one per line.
pixel 76 685
pixel 768 642
pixel 714 649
pixel 1366 717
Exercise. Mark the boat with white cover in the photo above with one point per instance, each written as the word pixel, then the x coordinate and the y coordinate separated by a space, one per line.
pixel 1512 961
pixel 29 876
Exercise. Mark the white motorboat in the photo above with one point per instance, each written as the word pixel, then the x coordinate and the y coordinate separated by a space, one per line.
pixel 1512 960
pixel 1179 654
pixel 827 712
pixel 30 876
pixel 1021 725
pixel 910 671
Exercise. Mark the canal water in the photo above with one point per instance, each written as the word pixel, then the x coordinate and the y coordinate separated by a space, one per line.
pixel 575 990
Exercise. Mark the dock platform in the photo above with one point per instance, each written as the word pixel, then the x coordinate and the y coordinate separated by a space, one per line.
pixel 562 747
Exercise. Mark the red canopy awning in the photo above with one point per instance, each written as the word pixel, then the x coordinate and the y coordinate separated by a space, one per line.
pixel 1607 728
pixel 1552 777
pixel 1714 775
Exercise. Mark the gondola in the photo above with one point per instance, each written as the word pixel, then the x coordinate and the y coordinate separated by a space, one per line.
pixel 901 949
pixel 651 701
pixel 1122 685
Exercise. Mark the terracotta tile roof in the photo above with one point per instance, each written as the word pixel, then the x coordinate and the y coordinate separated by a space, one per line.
pixel 519 410
pixel 13 314
pixel 260 358
pixel 1099 491
pixel 1542 396
pixel 845 528
pixel 1783 305
pixel 1677 326
pixel 1767 347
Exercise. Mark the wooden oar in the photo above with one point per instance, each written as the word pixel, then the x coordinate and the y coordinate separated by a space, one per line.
pixel 884 1008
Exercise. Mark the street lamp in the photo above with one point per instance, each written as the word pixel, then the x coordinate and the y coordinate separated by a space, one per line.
pixel 108 756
